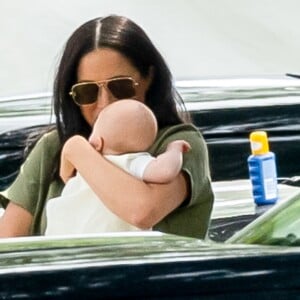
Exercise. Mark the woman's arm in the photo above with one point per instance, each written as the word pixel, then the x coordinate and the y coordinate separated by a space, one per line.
pixel 141 204
pixel 16 221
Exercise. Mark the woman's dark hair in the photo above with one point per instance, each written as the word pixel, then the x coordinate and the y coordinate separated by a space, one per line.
pixel 126 37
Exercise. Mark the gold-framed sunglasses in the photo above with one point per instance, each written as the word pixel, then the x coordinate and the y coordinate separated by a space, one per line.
pixel 85 93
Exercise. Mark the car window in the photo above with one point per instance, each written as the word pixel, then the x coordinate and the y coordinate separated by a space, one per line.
pixel 286 225
pixel 280 227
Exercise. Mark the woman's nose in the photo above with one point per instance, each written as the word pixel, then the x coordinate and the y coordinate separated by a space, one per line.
pixel 104 97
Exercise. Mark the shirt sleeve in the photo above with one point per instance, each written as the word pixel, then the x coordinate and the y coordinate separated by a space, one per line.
pixel 30 186
pixel 195 162
pixel 139 164
pixel 193 216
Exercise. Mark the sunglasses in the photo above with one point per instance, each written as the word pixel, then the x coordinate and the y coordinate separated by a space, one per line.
pixel 85 93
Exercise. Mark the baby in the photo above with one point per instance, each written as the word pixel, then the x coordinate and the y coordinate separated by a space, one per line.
pixel 122 133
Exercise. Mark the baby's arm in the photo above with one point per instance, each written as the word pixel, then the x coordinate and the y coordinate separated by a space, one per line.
pixel 167 165
pixel 67 169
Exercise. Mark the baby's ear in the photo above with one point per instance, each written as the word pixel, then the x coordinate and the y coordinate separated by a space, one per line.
pixel 99 144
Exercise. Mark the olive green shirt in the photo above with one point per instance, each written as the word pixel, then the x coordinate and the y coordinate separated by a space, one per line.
pixel 35 185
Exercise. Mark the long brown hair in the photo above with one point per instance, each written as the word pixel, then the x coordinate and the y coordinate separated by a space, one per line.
pixel 123 35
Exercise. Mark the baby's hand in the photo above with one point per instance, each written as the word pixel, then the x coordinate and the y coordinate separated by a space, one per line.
pixel 179 145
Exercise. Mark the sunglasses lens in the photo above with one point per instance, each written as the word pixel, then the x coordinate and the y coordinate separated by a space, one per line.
pixel 85 93
pixel 122 88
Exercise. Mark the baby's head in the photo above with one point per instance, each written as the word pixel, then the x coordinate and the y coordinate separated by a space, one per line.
pixel 124 126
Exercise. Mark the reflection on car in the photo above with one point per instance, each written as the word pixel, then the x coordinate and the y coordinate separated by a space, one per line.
pixel 145 265
pixel 21 119
pixel 278 226
pixel 228 110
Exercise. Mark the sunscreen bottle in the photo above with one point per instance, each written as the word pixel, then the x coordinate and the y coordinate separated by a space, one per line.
pixel 262 170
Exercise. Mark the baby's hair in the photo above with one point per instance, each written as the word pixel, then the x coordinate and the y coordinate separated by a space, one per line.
pixel 126 126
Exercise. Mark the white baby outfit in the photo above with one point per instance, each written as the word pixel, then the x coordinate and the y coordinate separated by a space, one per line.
pixel 79 210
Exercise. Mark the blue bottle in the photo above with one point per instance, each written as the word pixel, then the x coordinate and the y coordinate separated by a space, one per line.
pixel 262 170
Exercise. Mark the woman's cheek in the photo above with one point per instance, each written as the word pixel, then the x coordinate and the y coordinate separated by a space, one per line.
pixel 89 114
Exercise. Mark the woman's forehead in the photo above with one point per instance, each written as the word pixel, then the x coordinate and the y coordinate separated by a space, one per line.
pixel 104 63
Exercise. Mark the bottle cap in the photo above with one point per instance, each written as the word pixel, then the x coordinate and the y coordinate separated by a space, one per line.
pixel 259 142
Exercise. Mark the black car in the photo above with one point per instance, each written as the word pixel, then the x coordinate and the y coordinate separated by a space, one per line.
pixel 151 265
pixel 225 110
pixel 145 265
pixel 228 110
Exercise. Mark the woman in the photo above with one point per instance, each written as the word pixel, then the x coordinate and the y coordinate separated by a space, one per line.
pixel 106 60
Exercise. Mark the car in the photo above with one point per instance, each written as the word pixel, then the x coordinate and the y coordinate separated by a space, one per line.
pixel 153 265
pixel 280 225
pixel 234 206
pixel 226 111
pixel 145 265
pixel 21 119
